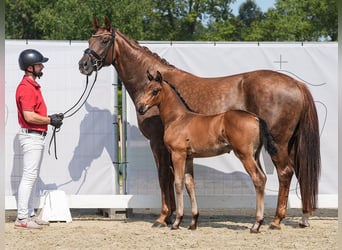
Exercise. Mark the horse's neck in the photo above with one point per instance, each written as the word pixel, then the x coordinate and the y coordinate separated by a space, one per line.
pixel 132 63
pixel 171 107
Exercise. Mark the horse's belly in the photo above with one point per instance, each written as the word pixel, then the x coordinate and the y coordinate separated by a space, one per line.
pixel 208 151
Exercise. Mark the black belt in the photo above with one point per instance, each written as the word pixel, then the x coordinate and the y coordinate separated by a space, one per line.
pixel 30 131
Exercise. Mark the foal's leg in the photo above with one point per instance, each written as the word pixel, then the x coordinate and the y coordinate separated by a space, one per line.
pixel 190 187
pixel 259 180
pixel 179 175
pixel 165 175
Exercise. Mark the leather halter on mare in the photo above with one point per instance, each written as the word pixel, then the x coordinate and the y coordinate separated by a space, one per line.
pixel 99 59
pixel 97 65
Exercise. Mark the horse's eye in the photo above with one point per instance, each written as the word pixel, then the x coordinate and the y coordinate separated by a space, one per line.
pixel 155 92
pixel 105 41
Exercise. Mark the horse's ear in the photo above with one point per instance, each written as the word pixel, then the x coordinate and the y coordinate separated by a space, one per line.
pixel 149 76
pixel 95 24
pixel 159 77
pixel 107 23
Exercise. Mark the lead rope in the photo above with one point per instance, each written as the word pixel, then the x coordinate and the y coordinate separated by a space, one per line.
pixel 98 64
pixel 55 130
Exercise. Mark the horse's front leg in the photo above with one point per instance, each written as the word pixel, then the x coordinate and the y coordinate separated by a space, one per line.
pixel 178 161
pixel 165 175
pixel 190 187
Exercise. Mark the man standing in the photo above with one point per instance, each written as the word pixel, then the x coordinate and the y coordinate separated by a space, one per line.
pixel 33 120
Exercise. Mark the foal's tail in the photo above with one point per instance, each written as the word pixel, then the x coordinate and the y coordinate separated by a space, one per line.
pixel 306 145
pixel 266 138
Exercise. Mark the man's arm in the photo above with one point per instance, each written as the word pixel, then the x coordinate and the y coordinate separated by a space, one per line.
pixel 34 118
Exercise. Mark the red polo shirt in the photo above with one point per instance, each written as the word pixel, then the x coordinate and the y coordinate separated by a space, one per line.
pixel 29 98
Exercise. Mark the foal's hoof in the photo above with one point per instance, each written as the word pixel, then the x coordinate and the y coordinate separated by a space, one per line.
pixel 158 224
pixel 256 226
pixel 275 226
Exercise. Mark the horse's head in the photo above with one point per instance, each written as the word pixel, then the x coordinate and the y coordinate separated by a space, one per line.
pixel 151 95
pixel 101 49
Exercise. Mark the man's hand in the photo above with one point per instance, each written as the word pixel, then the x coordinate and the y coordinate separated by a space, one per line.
pixel 56 120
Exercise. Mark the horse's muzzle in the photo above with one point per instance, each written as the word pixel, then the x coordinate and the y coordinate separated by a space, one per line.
pixel 142 109
pixel 85 65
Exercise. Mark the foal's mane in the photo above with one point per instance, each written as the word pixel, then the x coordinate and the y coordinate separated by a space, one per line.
pixel 180 96
pixel 136 44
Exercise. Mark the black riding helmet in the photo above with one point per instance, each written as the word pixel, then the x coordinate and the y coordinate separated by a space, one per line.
pixel 30 57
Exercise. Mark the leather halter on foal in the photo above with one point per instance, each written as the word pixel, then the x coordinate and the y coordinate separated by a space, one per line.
pixel 98 63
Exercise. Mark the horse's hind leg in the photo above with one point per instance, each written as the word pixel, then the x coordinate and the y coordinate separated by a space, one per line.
pixel 190 187
pixel 285 168
pixel 259 180
pixel 285 173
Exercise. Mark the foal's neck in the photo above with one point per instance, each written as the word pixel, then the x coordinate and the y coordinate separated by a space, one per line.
pixel 171 106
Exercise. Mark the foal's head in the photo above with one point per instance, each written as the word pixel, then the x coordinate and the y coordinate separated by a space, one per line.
pixel 151 96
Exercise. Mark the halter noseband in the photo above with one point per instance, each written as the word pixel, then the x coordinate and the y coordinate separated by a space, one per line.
pixel 99 59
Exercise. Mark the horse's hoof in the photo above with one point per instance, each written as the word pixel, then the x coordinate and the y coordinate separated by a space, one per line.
pixel 158 224
pixel 254 231
pixel 192 227
pixel 168 220
pixel 174 228
pixel 275 226
pixel 303 225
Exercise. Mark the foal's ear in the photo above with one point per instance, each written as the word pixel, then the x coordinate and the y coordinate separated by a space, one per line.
pixel 95 23
pixel 149 76
pixel 107 23
pixel 159 77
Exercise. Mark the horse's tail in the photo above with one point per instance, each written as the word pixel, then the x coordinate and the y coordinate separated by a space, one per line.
pixel 306 145
pixel 266 137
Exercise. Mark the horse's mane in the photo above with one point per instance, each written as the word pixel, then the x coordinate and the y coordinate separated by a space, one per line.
pixel 136 44
pixel 162 60
pixel 180 96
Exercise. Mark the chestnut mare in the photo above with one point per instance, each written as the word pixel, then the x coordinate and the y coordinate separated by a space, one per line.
pixel 236 130
pixel 283 102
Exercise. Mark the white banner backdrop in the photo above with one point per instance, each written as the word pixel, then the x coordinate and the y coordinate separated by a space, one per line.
pixel 84 169
pixel 85 145
pixel 313 63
